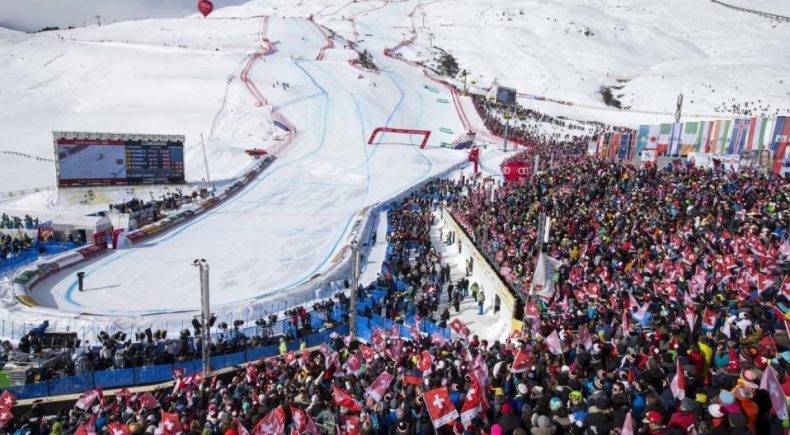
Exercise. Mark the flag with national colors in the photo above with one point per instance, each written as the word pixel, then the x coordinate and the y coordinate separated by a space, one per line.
pixel 440 407
pixel 7 399
pixel 678 384
pixel 522 362
pixel 271 423
pixel 770 383
pixel 5 416
pixel 378 388
pixel 628 425
pixel 553 343
pixel 171 424
pixel 342 398
pixel 473 405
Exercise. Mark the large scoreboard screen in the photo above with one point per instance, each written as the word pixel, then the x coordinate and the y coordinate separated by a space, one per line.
pixel 92 159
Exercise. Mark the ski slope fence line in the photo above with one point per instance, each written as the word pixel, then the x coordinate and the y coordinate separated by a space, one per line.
pixel 775 17
pixel 22 283
pixel 328 42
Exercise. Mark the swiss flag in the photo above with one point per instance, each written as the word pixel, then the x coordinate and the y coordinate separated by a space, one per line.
pixel 367 352
pixel 351 425
pixel 290 357
pixel 472 406
pixel 628 425
pixel 87 398
pixel 271 423
pixel 458 327
pixel 709 318
pixel 251 373
pixel 379 387
pixel 5 416
pixel 125 395
pixel 240 427
pixel 593 290
pixel 522 362
pixel 584 337
pixel 575 276
pixel 678 384
pixel 178 373
pixel 764 282
pixel 342 398
pixel 531 310
pixel 440 407
pixel 148 401
pixel 118 428
pixel 171 424
pixel 7 400
pixel 299 417
pixel 784 248
pixel 85 429
pixel 786 287
pixel 425 361
pixel 553 343
pixel 354 362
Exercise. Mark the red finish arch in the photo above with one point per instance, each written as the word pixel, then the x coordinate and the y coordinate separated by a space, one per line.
pixel 426 133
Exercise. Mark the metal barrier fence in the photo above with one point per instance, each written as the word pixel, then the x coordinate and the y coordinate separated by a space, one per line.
pixel 159 373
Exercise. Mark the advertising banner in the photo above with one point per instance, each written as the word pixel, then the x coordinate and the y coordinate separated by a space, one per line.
pixel 515 171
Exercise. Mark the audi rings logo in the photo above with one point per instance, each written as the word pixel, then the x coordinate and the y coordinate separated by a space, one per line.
pixel 521 170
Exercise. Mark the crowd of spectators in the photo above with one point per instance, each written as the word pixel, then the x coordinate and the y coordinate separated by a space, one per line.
pixel 526 134
pixel 666 316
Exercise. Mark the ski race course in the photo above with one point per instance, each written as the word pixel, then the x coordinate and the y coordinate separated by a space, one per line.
pixel 286 235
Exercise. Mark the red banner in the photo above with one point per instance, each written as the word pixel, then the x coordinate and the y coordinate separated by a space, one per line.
pixel 515 171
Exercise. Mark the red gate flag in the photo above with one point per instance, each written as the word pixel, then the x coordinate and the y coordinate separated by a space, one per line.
pixel 440 407
pixel 377 389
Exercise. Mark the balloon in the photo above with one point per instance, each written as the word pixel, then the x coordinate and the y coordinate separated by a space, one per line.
pixel 205 7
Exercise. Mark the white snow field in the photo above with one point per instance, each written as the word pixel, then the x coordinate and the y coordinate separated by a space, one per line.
pixel 284 236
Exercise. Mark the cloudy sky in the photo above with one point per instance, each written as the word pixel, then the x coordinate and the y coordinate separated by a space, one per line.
pixel 31 15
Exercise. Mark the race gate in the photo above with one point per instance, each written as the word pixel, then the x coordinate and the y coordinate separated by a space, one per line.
pixel 426 134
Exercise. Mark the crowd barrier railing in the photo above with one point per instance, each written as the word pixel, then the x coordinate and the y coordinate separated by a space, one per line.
pixel 147 375
pixel 487 276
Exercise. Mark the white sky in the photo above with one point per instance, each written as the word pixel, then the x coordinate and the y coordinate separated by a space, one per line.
pixel 31 15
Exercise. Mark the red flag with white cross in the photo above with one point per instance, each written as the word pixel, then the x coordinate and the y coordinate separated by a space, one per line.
pixel 440 407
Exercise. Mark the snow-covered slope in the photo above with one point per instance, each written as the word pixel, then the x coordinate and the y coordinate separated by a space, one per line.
pixel 567 50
